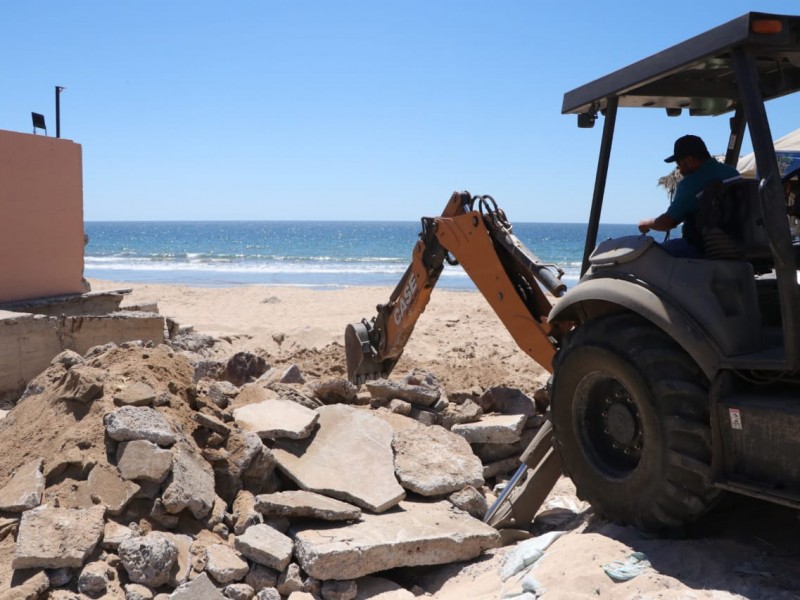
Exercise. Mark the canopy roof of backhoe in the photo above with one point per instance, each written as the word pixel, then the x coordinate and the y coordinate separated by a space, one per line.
pixel 698 74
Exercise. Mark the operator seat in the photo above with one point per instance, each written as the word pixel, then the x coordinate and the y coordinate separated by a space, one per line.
pixel 729 224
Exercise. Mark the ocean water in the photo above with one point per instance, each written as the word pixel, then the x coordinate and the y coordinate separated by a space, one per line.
pixel 318 254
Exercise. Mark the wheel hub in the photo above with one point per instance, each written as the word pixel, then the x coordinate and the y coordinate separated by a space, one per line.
pixel 621 424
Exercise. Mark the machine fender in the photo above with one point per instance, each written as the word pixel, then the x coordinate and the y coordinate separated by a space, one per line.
pixel 594 297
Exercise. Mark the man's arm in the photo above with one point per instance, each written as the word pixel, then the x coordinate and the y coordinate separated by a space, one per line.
pixel 661 223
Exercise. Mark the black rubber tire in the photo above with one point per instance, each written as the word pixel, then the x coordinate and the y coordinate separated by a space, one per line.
pixel 630 411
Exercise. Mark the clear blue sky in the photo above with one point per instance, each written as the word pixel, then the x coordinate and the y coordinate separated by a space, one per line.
pixel 349 109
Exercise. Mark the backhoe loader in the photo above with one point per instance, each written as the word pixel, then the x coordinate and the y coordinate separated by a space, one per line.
pixel 674 380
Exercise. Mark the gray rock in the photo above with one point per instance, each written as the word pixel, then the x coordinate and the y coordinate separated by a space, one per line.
pixel 349 458
pixel 273 419
pixel 217 512
pixel 261 577
pixel 290 580
pixel 469 500
pixel 268 594
pixel 137 591
pixel 114 534
pixel 148 560
pixel 191 484
pixel 500 467
pixel 59 577
pixel 493 452
pixel 182 567
pixel 466 412
pixel 334 391
pixel 339 590
pixel 384 390
pixel 25 489
pixel 82 384
pixel 107 485
pixel 292 374
pixel 199 588
pixel 138 423
pixel 68 358
pixel 93 580
pixel 492 429
pixel 303 504
pixel 244 512
pixel 400 407
pixel 51 538
pixel 221 393
pixel 414 534
pixel 224 564
pixel 137 394
pixel 266 546
pixel 212 423
pixel 508 401
pixel 432 461
pixel 142 459
pixel 243 366
pixel 425 416
pixel 238 591
pixel 161 517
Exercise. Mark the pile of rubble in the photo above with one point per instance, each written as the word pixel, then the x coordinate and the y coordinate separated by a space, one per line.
pixel 155 472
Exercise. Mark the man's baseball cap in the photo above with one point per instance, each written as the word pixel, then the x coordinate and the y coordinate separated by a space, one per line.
pixel 688 145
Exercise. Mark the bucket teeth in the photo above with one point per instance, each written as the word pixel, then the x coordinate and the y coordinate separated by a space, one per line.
pixel 362 363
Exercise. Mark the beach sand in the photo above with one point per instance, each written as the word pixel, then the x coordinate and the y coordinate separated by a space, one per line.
pixel 744 549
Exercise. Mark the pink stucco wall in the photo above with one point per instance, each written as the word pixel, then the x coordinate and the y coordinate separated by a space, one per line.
pixel 41 216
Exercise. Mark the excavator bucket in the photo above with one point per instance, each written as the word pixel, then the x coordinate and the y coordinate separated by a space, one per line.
pixel 362 362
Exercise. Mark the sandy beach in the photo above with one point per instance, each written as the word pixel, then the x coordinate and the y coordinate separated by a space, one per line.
pixel 743 549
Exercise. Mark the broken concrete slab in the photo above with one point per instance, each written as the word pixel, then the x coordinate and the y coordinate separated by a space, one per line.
pixel 191 484
pixel 224 564
pixel 303 504
pixel 384 390
pixel 266 546
pixel 508 401
pixel 24 490
pixel 107 486
pixel 348 458
pixel 212 423
pixel 272 419
pixel 138 423
pixel 492 429
pixel 199 588
pixel 114 534
pixel 415 533
pixel 51 538
pixel 142 459
pixel 432 461
pixel 137 394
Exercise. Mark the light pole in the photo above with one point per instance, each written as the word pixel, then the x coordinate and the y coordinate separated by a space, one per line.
pixel 59 89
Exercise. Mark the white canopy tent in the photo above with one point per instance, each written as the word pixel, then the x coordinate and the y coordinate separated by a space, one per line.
pixel 787 150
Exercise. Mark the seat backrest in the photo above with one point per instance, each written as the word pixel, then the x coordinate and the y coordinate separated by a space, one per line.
pixel 730 222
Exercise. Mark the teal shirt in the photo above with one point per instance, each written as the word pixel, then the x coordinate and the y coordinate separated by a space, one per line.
pixel 684 203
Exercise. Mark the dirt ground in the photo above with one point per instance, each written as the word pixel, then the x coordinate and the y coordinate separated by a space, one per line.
pixel 743 549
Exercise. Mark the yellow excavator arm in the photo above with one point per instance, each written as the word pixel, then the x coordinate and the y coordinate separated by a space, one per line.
pixel 480 239
pixel 473 232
